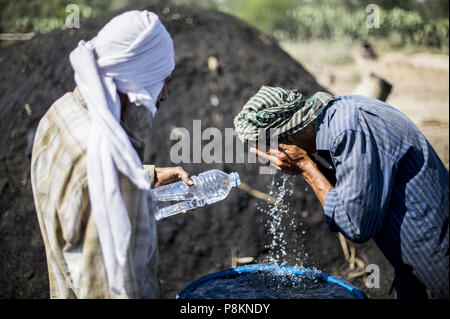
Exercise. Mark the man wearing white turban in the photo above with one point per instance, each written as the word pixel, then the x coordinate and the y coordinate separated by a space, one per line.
pixel 89 184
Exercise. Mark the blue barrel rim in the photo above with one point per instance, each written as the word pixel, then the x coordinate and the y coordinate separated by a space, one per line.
pixel 184 292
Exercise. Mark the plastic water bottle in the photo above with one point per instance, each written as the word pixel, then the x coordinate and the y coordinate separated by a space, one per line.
pixel 209 187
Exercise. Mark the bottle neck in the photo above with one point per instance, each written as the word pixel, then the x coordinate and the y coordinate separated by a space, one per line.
pixel 234 179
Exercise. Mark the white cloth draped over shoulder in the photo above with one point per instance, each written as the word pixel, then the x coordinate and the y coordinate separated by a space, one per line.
pixel 133 53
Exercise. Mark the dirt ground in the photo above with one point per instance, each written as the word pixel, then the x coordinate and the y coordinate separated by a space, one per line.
pixel 35 73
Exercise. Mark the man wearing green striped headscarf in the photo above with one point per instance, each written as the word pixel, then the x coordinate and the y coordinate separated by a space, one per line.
pixel 292 118
pixel 275 108
pixel 375 174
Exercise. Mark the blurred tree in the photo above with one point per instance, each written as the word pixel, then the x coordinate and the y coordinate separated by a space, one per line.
pixel 41 15
pixel 199 3
pixel 433 9
pixel 23 14
pixel 430 9
pixel 267 15
pixel 423 22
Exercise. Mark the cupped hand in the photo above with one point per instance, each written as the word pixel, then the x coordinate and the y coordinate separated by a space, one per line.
pixel 288 158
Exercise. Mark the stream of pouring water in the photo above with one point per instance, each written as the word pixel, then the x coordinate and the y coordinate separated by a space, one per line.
pixel 284 245
pixel 282 189
pixel 276 230
pixel 276 211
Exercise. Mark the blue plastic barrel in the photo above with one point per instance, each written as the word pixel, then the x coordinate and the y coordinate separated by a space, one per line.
pixel 186 292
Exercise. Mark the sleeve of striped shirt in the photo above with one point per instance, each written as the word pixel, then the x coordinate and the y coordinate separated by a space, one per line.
pixel 150 169
pixel 356 205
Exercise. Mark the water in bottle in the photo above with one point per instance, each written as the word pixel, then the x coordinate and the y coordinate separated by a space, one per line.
pixel 209 187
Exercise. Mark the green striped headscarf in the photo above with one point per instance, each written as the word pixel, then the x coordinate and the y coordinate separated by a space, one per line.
pixel 275 108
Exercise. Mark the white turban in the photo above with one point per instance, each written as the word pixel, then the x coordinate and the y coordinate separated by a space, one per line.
pixel 133 54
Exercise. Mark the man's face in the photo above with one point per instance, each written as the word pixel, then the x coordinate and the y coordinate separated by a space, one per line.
pixel 164 92
pixel 305 139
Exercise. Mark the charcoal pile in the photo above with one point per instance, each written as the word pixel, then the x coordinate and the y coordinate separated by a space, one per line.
pixel 220 63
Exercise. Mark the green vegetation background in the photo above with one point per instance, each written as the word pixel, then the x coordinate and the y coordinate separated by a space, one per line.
pixel 402 22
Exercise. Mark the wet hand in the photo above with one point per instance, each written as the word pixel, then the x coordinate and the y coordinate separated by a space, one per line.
pixel 288 158
pixel 292 159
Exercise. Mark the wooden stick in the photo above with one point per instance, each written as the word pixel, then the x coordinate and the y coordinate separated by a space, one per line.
pixel 273 160
pixel 260 195
pixel 344 246
pixel 16 36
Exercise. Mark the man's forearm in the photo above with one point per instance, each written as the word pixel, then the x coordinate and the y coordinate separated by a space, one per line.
pixel 318 182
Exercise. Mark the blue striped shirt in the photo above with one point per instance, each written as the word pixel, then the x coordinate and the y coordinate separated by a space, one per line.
pixel 390 186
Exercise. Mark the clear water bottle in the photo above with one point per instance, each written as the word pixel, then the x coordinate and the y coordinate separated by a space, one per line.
pixel 209 187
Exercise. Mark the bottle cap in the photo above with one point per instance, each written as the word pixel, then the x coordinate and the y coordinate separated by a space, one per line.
pixel 235 179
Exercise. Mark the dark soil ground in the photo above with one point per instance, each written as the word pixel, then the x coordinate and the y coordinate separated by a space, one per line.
pixel 37 72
